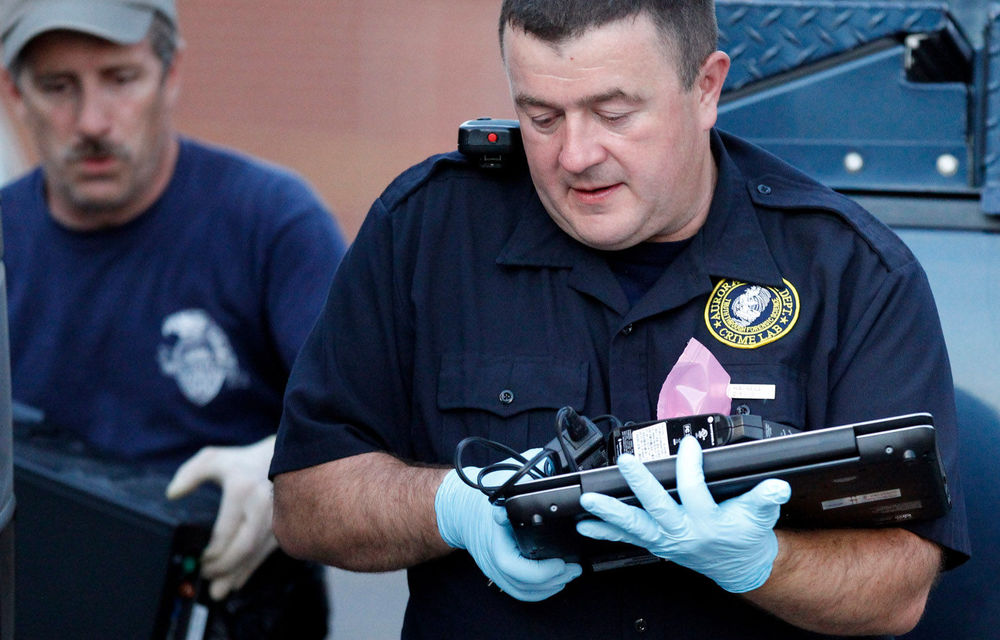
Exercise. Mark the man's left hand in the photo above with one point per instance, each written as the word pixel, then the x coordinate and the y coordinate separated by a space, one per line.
pixel 241 537
pixel 732 543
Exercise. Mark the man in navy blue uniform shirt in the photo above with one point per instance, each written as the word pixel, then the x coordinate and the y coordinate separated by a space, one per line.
pixel 159 288
pixel 482 302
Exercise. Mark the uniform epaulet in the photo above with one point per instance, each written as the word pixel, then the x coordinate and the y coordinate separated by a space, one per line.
pixel 797 193
pixel 775 184
pixel 419 174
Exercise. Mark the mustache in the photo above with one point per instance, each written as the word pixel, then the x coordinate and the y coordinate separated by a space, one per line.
pixel 95 148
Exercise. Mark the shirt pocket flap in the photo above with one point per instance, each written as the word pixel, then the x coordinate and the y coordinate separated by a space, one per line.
pixel 772 391
pixel 508 385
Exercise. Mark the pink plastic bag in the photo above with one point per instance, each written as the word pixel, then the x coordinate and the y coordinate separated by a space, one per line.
pixel 696 384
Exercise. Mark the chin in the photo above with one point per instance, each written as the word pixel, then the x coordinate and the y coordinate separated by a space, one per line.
pixel 606 237
pixel 605 243
pixel 98 204
pixel 606 230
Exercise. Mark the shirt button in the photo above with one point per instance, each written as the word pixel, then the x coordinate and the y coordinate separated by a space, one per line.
pixel 627 330
pixel 763 189
pixel 640 625
pixel 506 396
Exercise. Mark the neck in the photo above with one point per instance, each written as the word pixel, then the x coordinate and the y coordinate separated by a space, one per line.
pixel 707 177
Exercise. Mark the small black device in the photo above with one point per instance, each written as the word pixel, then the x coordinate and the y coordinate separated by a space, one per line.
pixel 883 472
pixel 100 551
pixel 660 438
pixel 580 445
pixel 493 143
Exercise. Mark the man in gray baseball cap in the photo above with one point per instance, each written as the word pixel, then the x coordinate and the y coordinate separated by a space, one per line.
pixel 122 22
pixel 145 350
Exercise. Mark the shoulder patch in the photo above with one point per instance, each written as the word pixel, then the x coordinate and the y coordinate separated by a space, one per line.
pixel 746 316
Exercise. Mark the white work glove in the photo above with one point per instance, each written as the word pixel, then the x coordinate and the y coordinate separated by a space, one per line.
pixel 241 537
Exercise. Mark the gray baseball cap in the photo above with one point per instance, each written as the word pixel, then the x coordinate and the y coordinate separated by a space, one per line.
pixel 120 21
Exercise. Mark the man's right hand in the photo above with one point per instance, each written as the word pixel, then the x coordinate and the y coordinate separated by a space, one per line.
pixel 467 520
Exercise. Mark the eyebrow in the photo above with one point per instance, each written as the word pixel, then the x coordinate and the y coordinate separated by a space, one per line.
pixel 524 100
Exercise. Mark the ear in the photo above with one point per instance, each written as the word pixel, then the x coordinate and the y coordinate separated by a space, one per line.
pixel 11 93
pixel 709 86
pixel 172 81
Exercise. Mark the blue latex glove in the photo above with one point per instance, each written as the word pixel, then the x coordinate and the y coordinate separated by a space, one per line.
pixel 467 520
pixel 732 543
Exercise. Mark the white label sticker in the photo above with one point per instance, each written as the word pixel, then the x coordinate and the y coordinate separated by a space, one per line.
pixel 888 494
pixel 651 443
pixel 750 391
pixel 197 623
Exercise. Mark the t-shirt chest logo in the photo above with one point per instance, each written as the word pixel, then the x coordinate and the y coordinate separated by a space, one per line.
pixel 197 354
pixel 747 316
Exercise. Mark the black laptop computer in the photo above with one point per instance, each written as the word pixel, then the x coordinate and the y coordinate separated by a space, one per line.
pixel 879 473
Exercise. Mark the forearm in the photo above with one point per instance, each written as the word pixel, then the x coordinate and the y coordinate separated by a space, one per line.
pixel 851 582
pixel 370 512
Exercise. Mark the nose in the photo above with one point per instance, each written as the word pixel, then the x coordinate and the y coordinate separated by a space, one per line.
pixel 581 146
pixel 93 112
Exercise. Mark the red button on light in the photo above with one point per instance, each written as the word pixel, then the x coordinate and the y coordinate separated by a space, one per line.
pixel 492 137
pixel 186 590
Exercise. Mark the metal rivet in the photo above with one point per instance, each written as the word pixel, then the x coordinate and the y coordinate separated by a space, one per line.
pixel 854 162
pixel 641 625
pixel 947 165
pixel 763 189
pixel 506 396
pixel 913 40
pixel 627 330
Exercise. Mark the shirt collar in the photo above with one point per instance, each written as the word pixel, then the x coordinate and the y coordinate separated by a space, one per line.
pixel 537 241
pixel 731 243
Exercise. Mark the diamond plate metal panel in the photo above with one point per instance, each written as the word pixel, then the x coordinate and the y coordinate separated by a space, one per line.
pixel 764 38
pixel 991 153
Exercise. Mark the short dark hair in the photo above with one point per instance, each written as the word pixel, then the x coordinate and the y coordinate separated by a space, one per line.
pixel 687 26
pixel 163 38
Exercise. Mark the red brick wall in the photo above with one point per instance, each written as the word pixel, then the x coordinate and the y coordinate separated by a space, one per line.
pixel 347 92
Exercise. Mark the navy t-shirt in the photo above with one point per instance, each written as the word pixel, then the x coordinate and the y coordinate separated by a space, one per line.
pixel 179 328
pixel 472 313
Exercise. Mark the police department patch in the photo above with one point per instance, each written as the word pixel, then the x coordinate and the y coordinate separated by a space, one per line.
pixel 747 316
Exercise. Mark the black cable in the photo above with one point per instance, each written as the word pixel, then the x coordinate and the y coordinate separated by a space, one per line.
pixel 567 419
pixel 459 467
pixel 563 417
pixel 529 468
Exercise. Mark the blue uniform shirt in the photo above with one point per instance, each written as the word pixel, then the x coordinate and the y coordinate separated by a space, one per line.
pixel 179 328
pixel 462 309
